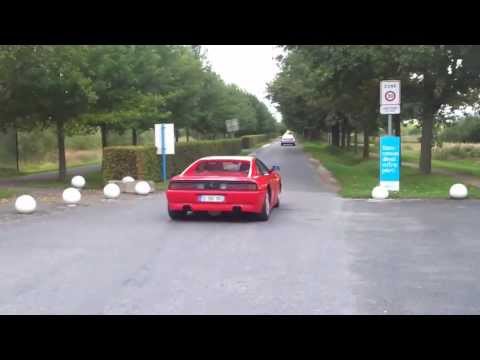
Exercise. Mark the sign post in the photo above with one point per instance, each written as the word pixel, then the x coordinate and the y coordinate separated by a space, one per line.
pixel 390 162
pixel 390 145
pixel 164 155
pixel 390 100
pixel 232 126
pixel 165 144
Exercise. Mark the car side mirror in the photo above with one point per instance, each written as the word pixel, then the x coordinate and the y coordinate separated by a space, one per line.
pixel 275 168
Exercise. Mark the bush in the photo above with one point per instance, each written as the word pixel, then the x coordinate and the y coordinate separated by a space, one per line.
pixel 249 141
pixel 137 161
pixel 84 142
pixel 456 151
pixel 466 130
pixel 142 162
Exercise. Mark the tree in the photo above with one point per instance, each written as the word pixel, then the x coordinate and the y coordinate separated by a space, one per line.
pixel 333 87
pixel 17 71
pixel 212 112
pixel 437 76
pixel 186 88
pixel 56 86
pixel 110 69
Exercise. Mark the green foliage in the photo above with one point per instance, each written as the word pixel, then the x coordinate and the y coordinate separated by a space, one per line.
pixel 357 177
pixel 83 141
pixel 127 161
pixel 119 90
pixel 249 141
pixel 142 162
pixel 7 193
pixel 456 151
pixel 322 86
pixel 410 130
pixel 7 150
pixel 37 145
pixel 465 131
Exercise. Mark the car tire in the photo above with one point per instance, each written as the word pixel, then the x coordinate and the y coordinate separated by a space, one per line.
pixel 266 210
pixel 176 215
pixel 278 202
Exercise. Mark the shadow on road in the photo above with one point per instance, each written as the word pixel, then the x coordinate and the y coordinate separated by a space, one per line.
pixel 231 218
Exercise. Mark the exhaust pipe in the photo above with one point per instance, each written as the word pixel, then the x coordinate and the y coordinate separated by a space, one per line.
pixel 237 209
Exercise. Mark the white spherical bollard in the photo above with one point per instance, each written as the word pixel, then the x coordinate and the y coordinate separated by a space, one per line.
pixel 458 191
pixel 142 188
pixel 78 182
pixel 25 204
pixel 379 193
pixel 128 179
pixel 111 191
pixel 72 196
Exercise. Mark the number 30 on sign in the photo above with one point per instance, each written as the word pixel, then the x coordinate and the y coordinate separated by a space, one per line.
pixel 390 97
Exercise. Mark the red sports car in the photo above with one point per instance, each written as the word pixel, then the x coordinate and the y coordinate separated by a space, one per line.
pixel 217 184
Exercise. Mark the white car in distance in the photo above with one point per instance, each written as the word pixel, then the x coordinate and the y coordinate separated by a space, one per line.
pixel 287 139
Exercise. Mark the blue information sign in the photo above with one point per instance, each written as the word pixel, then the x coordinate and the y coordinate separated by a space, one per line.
pixel 390 162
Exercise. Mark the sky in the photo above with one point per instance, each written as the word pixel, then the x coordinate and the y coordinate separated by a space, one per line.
pixel 250 67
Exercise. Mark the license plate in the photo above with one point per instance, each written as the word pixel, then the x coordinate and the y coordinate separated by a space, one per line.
pixel 211 198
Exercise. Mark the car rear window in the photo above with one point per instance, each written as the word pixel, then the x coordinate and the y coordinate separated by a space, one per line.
pixel 222 167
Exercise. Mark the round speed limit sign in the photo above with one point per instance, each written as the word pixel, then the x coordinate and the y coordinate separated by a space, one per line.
pixel 390 96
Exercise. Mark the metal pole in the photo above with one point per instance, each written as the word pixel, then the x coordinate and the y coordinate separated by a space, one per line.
pixel 164 155
pixel 16 150
pixel 389 124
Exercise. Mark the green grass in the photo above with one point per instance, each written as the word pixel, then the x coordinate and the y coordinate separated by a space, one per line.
pixel 358 177
pixel 6 193
pixel 161 186
pixel 7 173
pixel 94 181
pixel 460 166
pixel 28 169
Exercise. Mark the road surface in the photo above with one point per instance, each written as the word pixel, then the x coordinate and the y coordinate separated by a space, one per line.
pixel 318 254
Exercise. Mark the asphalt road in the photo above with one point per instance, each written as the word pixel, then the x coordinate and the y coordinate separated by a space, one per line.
pixel 318 254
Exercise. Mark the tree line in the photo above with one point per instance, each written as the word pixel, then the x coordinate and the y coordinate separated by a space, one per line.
pixel 81 88
pixel 335 88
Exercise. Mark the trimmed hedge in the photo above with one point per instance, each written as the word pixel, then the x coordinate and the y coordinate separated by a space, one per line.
pixel 249 141
pixel 138 161
pixel 142 162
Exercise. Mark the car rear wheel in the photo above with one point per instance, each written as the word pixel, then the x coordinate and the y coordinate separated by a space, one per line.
pixel 265 214
pixel 278 202
pixel 176 215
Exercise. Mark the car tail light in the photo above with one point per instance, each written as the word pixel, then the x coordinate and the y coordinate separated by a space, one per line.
pixel 212 185
pixel 184 185
pixel 240 186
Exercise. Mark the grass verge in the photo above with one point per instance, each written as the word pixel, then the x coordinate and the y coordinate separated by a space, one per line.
pixel 246 152
pixel 29 169
pixel 6 193
pixel 94 181
pixel 357 177
pixel 460 166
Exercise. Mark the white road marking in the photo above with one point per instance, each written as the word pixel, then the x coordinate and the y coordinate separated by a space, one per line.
pixel 266 145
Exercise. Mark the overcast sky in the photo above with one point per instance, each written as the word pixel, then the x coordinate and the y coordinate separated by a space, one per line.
pixel 250 67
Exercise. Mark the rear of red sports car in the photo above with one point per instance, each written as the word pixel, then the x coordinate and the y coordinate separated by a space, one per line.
pixel 217 185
